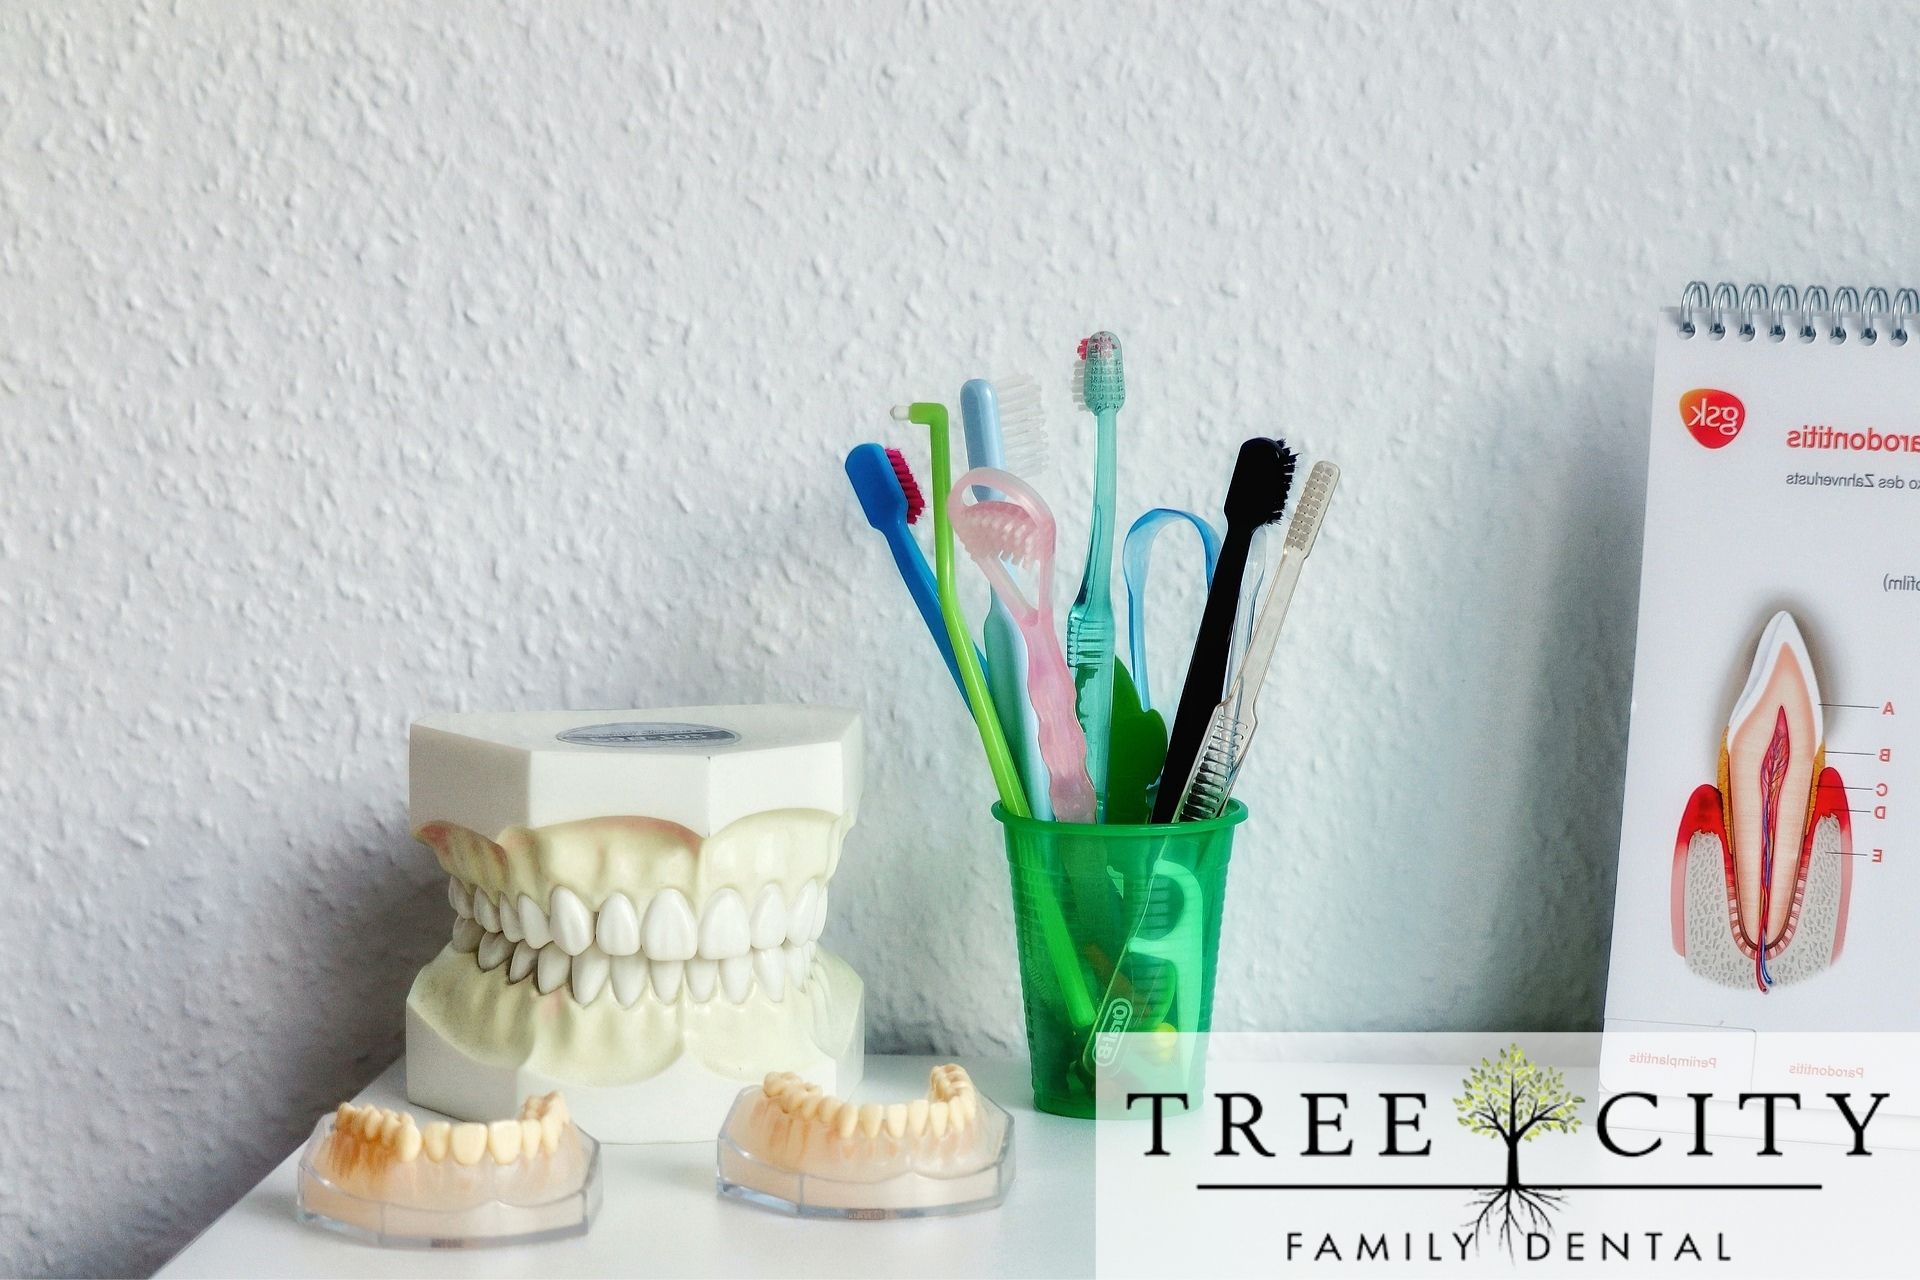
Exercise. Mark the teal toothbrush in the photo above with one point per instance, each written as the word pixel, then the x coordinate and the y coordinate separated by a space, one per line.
pixel 1100 389
pixel 993 440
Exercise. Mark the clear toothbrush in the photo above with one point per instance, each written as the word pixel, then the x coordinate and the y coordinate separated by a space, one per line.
pixel 1100 389
pixel 1230 729
pixel 1014 532
pixel 1006 779
pixel 1005 429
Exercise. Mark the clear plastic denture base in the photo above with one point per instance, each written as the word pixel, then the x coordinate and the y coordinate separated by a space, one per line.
pixel 646 971
pixel 790 1146
pixel 515 1182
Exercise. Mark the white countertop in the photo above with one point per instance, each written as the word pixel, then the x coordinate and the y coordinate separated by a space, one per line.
pixel 660 1215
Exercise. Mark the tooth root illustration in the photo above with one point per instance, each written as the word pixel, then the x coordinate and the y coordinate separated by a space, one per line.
pixel 1761 872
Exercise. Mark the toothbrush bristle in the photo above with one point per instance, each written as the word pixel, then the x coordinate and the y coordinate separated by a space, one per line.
pixel 1099 375
pixel 1023 427
pixel 1000 528
pixel 1312 507
pixel 1262 478
pixel 909 487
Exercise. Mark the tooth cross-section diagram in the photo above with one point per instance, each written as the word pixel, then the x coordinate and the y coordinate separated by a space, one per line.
pixel 1761 866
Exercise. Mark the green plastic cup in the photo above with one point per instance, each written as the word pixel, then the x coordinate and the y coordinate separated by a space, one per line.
pixel 1118 928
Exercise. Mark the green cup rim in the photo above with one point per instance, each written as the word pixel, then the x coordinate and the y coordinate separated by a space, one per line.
pixel 1236 814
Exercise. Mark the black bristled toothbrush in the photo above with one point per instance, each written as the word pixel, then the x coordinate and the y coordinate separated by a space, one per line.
pixel 1256 496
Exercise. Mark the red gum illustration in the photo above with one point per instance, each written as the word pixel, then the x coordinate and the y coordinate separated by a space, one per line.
pixel 1705 813
pixel 1831 801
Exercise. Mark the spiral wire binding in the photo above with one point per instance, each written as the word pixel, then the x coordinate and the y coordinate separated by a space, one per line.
pixel 1805 315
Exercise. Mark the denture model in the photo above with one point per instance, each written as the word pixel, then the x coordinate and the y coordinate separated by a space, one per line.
pixel 787 1145
pixel 638 898
pixel 1761 867
pixel 379 1175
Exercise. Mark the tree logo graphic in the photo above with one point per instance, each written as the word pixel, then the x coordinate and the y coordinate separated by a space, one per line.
pixel 1515 1099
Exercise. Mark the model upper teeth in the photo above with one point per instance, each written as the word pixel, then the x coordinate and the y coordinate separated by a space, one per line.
pixel 723 948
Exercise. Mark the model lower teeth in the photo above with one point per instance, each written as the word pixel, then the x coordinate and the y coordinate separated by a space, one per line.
pixel 368 1143
pixel 610 952
pixel 380 1174
pixel 789 1144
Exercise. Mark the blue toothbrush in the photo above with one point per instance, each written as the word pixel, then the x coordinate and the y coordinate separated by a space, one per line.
pixel 1006 652
pixel 892 501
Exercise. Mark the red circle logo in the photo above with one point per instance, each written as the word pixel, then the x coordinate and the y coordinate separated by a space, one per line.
pixel 1713 417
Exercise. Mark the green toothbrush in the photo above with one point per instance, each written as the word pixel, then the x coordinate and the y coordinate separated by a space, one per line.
pixel 1006 778
pixel 1100 389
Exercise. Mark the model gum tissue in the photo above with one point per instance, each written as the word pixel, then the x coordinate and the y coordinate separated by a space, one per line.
pixel 642 924
pixel 378 1173
pixel 1761 879
pixel 790 1144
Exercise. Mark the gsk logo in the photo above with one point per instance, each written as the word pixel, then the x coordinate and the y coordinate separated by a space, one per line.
pixel 1714 417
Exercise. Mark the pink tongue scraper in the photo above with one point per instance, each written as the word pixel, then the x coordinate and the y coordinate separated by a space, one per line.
pixel 1015 533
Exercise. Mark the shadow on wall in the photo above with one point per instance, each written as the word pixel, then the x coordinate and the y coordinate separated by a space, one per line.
pixel 1571 750
pixel 336 958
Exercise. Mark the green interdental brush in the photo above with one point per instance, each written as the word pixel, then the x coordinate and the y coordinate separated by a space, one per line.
pixel 1006 778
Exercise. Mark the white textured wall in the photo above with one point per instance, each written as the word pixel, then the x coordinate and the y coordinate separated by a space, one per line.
pixel 360 363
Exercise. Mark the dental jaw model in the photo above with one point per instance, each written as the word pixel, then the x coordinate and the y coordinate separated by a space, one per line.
pixel 788 1145
pixel 1761 867
pixel 637 900
pixel 379 1175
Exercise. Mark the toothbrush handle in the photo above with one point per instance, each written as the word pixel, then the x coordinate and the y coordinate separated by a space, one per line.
pixel 1006 652
pixel 1090 629
pixel 1006 680
pixel 1230 730
pixel 973 681
pixel 1210 783
pixel 1137 634
pixel 1245 690
pixel 1206 671
pixel 1063 744
pixel 914 572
